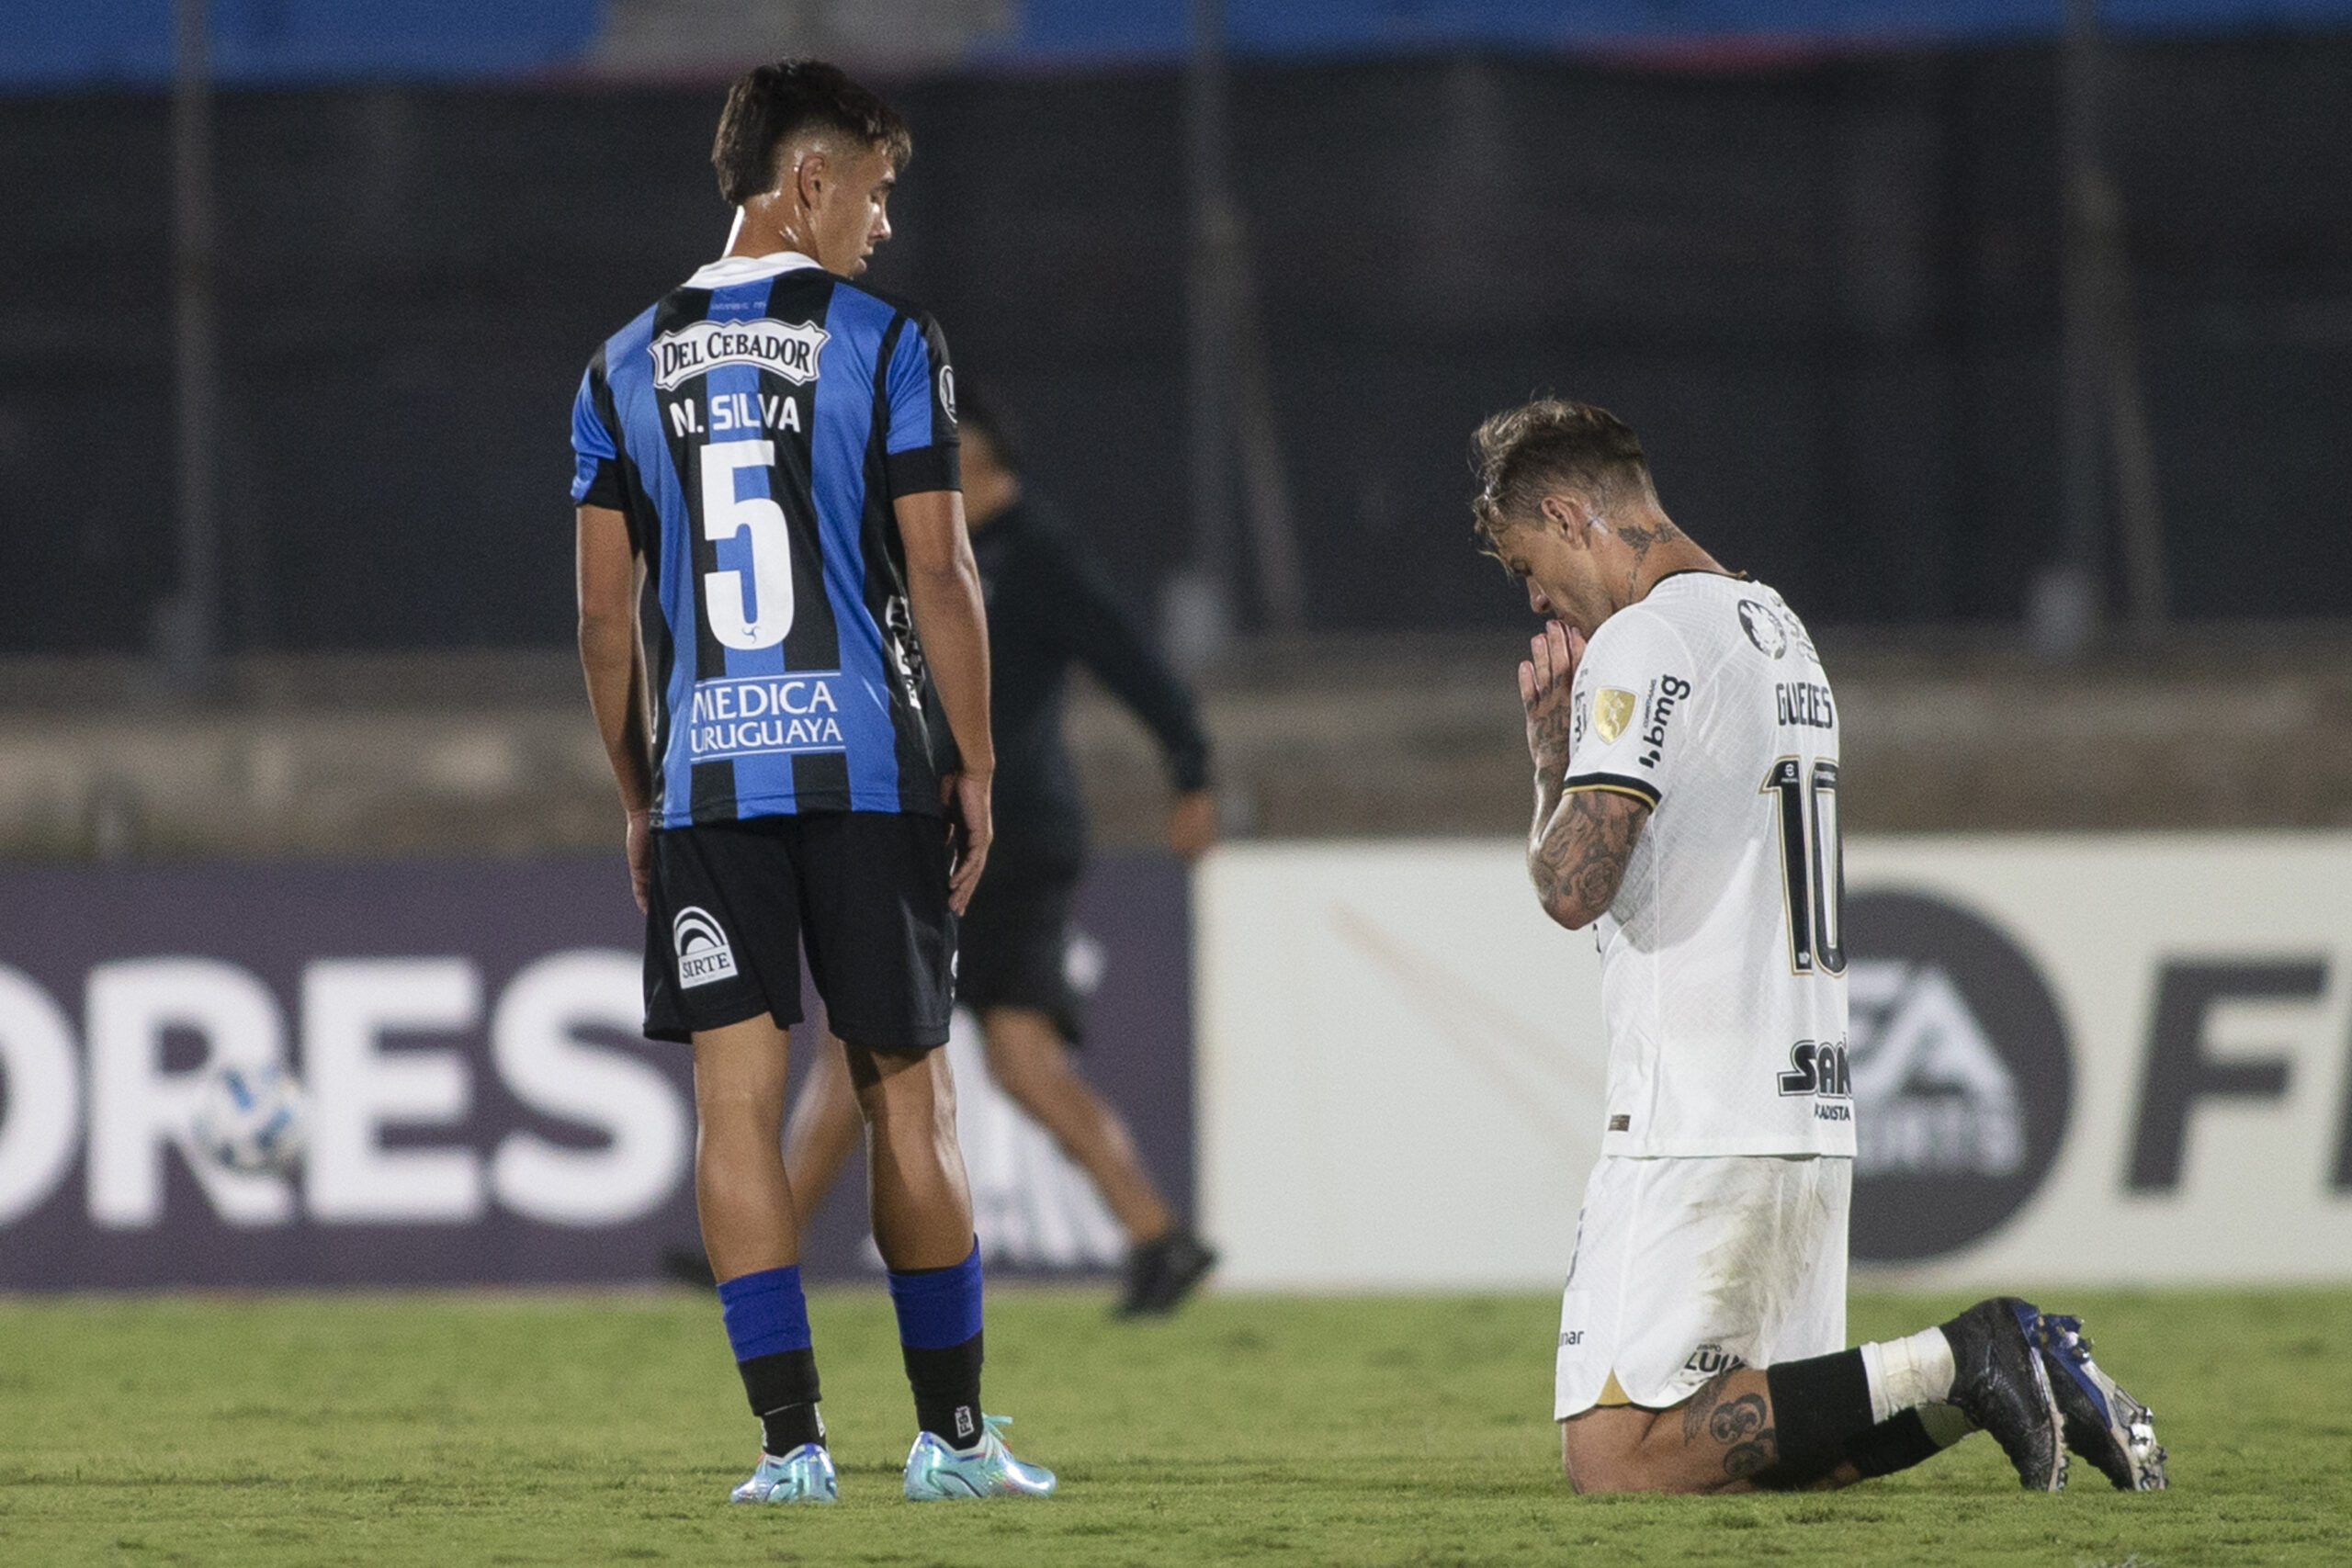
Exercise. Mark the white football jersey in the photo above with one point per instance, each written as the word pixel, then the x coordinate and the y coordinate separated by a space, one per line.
pixel 1723 977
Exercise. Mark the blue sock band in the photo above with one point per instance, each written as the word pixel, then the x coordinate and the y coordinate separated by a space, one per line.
pixel 765 1313
pixel 938 1308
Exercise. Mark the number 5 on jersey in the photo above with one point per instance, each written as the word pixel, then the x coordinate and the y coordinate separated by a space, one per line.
pixel 1813 864
pixel 760 619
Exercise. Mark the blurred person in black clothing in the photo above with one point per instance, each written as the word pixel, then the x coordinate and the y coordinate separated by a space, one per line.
pixel 1049 605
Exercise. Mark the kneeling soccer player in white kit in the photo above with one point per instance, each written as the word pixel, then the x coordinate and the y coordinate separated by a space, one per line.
pixel 1685 742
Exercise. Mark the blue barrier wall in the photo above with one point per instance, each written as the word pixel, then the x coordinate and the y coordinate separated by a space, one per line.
pixel 1085 27
pixel 129 42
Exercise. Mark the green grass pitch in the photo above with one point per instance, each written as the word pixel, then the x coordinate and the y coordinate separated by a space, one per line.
pixel 577 1429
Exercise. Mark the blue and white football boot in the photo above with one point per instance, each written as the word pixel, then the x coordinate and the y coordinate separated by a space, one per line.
pixel 936 1473
pixel 2103 1424
pixel 804 1475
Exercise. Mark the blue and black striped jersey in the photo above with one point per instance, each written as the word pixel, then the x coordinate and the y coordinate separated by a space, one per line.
pixel 754 428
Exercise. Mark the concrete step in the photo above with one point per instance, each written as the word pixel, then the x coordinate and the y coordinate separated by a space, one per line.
pixel 493 752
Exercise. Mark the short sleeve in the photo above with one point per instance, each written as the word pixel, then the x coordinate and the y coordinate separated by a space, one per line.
pixel 1633 694
pixel 597 469
pixel 919 391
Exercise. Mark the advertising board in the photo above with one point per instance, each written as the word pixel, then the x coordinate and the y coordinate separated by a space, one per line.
pixel 2107 1059
pixel 481 1106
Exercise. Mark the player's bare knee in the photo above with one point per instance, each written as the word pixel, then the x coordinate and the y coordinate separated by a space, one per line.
pixel 1599 1473
pixel 879 1075
pixel 726 1111
pixel 1627 1450
pixel 1634 1473
pixel 1598 1453
pixel 1584 1472
pixel 939 1080
pixel 1009 1065
pixel 1022 1044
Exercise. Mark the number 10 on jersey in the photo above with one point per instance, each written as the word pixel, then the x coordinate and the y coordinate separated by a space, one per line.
pixel 1813 864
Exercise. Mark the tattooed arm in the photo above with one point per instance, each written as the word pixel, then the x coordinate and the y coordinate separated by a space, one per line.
pixel 1577 853
pixel 1578 850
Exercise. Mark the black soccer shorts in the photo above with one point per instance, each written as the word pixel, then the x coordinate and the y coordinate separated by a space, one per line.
pixel 864 891
pixel 1014 942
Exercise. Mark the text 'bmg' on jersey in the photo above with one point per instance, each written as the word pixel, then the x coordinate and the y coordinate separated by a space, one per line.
pixel 1723 962
pixel 754 428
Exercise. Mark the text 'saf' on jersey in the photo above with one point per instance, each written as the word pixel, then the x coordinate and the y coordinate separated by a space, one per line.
pixel 754 428
pixel 1723 969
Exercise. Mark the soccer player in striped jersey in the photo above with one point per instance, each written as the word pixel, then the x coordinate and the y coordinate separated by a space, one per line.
pixel 776 589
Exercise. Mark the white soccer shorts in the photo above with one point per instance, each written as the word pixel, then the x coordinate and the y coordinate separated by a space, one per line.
pixel 1686 1266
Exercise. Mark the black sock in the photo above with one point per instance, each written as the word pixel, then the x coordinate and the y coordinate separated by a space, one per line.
pixel 1819 1405
pixel 1896 1443
pixel 946 1385
pixel 787 1427
pixel 784 1395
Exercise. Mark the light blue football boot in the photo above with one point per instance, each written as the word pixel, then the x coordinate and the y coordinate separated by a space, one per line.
pixel 804 1475
pixel 936 1473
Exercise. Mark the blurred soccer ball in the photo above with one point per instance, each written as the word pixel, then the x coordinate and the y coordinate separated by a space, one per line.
pixel 252 1119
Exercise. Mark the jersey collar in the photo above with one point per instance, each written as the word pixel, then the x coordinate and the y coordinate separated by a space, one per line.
pixel 1726 574
pixel 728 271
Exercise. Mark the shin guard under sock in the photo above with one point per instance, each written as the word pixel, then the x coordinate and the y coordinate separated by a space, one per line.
pixel 1913 1438
pixel 767 1324
pixel 1819 1405
pixel 783 1390
pixel 946 1384
pixel 939 1334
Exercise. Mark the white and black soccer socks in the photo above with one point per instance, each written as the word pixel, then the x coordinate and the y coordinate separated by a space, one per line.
pixel 1880 1407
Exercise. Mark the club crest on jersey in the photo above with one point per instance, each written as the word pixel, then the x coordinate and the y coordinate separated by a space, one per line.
pixel 704 953
pixel 1763 629
pixel 1612 710
pixel 789 349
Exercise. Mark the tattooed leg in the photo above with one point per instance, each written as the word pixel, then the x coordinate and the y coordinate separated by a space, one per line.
pixel 1717 1440
pixel 1723 1438
pixel 1739 1422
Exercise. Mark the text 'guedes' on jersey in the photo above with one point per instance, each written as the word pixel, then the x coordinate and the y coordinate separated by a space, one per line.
pixel 1723 967
pixel 754 428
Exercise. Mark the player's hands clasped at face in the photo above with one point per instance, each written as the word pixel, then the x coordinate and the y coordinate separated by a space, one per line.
pixel 1547 687
pixel 971 828
pixel 640 857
